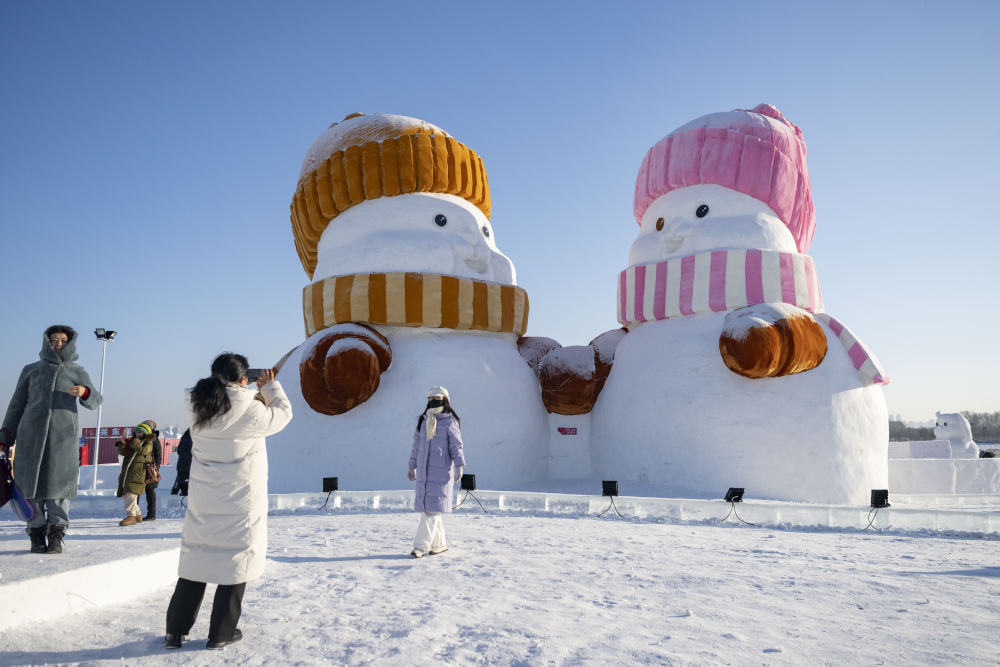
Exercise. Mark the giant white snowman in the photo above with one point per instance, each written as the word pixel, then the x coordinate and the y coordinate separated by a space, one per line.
pixel 408 291
pixel 731 374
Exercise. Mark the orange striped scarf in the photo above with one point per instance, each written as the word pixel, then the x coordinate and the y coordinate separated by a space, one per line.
pixel 415 300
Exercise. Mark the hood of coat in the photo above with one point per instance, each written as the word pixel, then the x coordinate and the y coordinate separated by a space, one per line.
pixel 68 353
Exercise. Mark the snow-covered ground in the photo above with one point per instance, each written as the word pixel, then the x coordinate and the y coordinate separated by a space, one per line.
pixel 521 589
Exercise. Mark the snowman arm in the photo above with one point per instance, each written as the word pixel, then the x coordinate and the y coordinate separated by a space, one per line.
pixel 572 377
pixel 341 367
pixel 864 360
pixel 534 348
pixel 770 340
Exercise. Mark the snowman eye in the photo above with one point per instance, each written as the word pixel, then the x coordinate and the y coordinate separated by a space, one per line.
pixel 701 211
pixel 486 231
pixel 440 220
pixel 659 224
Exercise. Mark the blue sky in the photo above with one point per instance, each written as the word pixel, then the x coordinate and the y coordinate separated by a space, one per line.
pixel 149 151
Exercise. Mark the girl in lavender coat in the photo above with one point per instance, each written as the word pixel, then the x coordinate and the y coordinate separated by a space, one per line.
pixel 437 448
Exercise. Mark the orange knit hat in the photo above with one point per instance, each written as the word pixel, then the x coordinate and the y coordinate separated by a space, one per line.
pixel 379 155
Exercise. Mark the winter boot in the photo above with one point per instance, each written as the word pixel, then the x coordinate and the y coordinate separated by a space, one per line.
pixel 222 643
pixel 37 536
pixel 56 534
pixel 130 520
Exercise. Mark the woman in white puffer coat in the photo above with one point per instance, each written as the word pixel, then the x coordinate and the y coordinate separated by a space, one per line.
pixel 224 540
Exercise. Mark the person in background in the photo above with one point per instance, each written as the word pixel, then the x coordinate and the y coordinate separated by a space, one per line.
pixel 152 484
pixel 437 448
pixel 183 467
pixel 42 421
pixel 136 452
pixel 224 540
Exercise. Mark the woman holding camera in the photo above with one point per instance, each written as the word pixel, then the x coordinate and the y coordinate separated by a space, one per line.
pixel 225 529
pixel 437 447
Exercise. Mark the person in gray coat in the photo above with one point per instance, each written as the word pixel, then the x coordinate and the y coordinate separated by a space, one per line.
pixel 437 450
pixel 41 422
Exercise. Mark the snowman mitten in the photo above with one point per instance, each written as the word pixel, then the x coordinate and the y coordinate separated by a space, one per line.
pixel 605 345
pixel 343 367
pixel 534 348
pixel 771 340
pixel 568 376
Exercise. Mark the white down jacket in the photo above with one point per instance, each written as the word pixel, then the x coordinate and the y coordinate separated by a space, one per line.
pixel 225 530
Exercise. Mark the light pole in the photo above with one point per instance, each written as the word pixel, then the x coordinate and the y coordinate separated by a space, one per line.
pixel 103 335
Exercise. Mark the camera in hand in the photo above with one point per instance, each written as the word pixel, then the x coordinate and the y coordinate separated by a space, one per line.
pixel 254 374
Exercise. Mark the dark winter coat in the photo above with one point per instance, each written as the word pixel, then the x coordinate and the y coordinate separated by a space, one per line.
pixel 42 420
pixel 434 460
pixel 136 453
pixel 157 457
pixel 184 457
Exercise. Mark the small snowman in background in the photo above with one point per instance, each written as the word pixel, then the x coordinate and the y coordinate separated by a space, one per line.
pixel 955 428
pixel 731 374
pixel 408 291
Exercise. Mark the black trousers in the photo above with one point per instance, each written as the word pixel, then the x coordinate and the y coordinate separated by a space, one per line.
pixel 150 500
pixel 186 600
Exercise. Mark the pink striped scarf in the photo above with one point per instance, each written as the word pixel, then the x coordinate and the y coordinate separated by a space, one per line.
pixel 721 280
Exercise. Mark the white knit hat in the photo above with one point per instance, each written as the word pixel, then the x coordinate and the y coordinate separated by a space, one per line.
pixel 438 391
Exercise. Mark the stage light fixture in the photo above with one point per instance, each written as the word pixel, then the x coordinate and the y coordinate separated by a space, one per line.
pixel 468 482
pixel 880 498
pixel 609 488
pixel 330 484
pixel 734 495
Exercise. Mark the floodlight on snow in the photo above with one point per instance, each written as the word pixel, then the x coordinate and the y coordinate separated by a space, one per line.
pixel 735 495
pixel 330 484
pixel 880 498
pixel 610 488
pixel 468 484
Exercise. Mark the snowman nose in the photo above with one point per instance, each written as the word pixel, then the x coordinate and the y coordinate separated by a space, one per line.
pixel 477 257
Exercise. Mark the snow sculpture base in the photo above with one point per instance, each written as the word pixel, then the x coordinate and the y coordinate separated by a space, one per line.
pixel 569 446
pixel 494 392
pixel 944 476
pixel 672 413
pixel 923 449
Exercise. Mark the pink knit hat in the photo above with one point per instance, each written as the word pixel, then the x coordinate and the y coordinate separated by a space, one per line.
pixel 756 152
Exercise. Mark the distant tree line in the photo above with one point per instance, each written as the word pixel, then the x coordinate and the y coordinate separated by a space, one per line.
pixel 900 432
pixel 985 425
pixel 985 428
